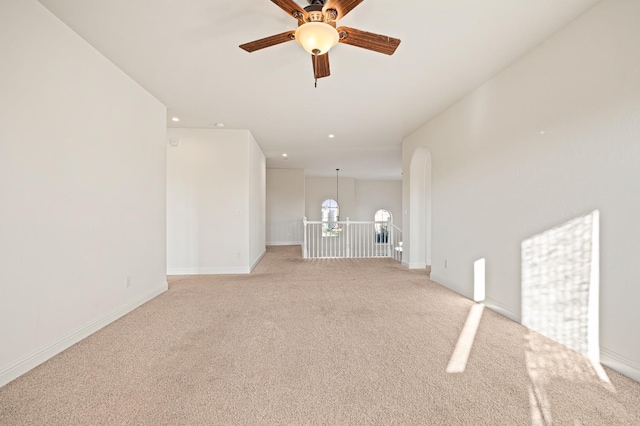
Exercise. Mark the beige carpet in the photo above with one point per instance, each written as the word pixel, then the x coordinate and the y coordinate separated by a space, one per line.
pixel 315 342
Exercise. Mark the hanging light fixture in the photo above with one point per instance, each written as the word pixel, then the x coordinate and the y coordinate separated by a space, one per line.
pixel 317 36
pixel 336 226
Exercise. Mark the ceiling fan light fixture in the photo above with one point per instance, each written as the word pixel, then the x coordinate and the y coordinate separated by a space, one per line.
pixel 317 38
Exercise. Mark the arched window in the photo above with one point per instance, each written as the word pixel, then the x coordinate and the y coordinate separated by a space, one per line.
pixel 382 220
pixel 330 215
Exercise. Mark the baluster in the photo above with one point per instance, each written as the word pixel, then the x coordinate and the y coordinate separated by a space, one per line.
pixel 332 242
pixel 365 236
pixel 322 237
pixel 389 238
pixel 346 242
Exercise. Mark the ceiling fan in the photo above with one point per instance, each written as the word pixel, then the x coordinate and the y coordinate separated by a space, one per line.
pixel 317 32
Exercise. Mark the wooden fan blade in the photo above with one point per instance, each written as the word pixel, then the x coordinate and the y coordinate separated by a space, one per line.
pixel 371 41
pixel 342 6
pixel 291 8
pixel 320 65
pixel 252 46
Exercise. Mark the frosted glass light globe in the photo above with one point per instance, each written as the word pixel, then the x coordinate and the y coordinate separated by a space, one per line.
pixel 317 36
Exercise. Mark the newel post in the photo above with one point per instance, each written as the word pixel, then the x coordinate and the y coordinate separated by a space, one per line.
pixel 305 254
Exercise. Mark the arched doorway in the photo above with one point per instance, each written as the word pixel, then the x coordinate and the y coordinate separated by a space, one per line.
pixel 419 248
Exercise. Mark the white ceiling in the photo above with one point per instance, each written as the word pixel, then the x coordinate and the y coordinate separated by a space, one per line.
pixel 185 52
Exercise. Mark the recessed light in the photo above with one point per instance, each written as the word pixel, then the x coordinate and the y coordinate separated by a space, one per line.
pixel 542 132
pixel 285 156
pixel 176 119
pixel 332 136
pixel 220 125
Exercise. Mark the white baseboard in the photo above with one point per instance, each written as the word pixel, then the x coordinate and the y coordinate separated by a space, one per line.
pixel 620 364
pixel 451 286
pixel 258 259
pixel 284 243
pixel 418 265
pixel 209 271
pixel 609 358
pixel 503 310
pixel 405 264
pixel 615 361
pixel 36 358
pixel 490 303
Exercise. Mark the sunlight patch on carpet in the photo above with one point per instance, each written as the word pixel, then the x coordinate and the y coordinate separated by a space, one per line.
pixel 460 356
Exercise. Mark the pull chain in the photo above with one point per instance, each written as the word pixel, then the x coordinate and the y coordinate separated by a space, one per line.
pixel 316 52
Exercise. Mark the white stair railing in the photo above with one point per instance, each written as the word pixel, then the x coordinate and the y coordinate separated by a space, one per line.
pixel 396 242
pixel 349 239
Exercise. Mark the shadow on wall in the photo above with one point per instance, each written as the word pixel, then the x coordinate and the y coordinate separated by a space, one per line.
pixel 560 295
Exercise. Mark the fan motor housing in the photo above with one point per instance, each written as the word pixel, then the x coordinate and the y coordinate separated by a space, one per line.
pixel 315 15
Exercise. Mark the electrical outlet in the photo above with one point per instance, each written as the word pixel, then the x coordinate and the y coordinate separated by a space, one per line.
pixel 446 264
pixel 128 282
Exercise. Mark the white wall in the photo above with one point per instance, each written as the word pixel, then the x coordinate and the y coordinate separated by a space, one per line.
pixel 285 206
pixel 257 202
pixel 82 189
pixel 417 226
pixel 552 138
pixel 214 179
pixel 291 196
pixel 373 195
pixel 317 190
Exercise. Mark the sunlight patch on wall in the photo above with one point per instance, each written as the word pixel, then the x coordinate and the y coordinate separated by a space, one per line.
pixel 560 300
pixel 479 280
pixel 460 356
pixel 560 284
